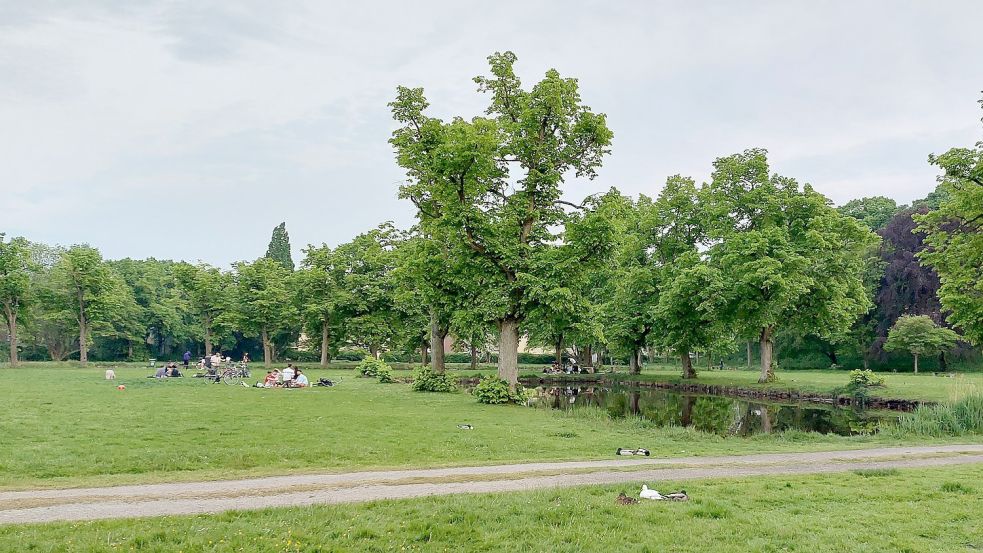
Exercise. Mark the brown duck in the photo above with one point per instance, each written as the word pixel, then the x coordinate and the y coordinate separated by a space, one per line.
pixel 625 500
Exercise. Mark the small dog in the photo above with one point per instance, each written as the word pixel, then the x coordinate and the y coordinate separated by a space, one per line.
pixel 110 374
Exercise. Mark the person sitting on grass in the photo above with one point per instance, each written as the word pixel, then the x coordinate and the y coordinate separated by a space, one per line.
pixel 161 372
pixel 270 380
pixel 300 381
pixel 288 374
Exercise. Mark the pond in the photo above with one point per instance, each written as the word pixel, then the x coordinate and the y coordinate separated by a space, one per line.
pixel 725 416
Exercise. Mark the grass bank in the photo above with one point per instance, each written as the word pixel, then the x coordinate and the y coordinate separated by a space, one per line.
pixel 65 427
pixel 887 510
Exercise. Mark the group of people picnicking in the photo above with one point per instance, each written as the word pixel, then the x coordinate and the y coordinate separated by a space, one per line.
pixel 570 368
pixel 289 377
pixel 214 361
pixel 169 370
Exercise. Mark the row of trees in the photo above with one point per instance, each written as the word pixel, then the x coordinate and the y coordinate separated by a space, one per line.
pixel 497 254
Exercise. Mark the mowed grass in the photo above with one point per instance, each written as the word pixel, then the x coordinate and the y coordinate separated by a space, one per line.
pixel 906 511
pixel 70 427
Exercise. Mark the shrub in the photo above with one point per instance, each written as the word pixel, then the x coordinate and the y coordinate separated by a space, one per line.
pixel 352 355
pixel 494 390
pixel 370 367
pixel 865 378
pixel 385 374
pixel 425 380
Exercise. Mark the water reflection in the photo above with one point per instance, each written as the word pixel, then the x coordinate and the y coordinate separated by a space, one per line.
pixel 725 416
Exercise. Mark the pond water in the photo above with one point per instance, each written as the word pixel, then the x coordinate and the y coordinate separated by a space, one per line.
pixel 722 415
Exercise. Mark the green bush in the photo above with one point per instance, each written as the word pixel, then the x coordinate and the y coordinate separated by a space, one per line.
pixel 425 380
pixel 959 418
pixel 370 367
pixel 385 374
pixel 352 355
pixel 865 378
pixel 494 390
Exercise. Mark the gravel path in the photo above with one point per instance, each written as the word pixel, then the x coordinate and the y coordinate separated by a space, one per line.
pixel 282 491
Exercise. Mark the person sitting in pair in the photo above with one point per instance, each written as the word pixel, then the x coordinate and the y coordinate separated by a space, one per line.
pixel 288 374
pixel 161 372
pixel 172 371
pixel 300 380
pixel 271 379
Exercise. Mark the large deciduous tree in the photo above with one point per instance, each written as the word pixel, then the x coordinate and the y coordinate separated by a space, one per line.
pixel 955 238
pixel 789 258
pixel 263 305
pixel 92 293
pixel 490 185
pixel 15 286
pixel 320 297
pixel 208 294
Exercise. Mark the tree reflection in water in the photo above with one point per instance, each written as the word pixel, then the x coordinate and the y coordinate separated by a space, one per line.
pixel 715 414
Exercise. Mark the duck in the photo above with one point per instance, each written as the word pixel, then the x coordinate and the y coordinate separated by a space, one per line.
pixel 625 500
pixel 678 496
pixel 650 494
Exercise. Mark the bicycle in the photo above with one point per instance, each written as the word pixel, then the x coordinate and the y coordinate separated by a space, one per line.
pixel 235 374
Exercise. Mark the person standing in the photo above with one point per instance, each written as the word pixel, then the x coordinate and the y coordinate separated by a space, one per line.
pixel 186 359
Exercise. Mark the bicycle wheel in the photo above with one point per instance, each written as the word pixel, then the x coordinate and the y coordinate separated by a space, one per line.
pixel 231 378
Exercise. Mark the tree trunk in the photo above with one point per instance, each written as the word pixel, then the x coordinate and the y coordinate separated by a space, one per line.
pixel 374 351
pixel 943 364
pixel 129 350
pixel 12 329
pixel 686 417
pixel 424 351
pixel 558 351
pixel 766 353
pixel 916 363
pixel 688 370
pixel 508 351
pixel 437 346
pixel 325 343
pixel 208 336
pixel 765 420
pixel 697 357
pixel 267 349
pixel 749 354
pixel 83 332
pixel 866 362
pixel 633 398
pixel 635 361
pixel 474 356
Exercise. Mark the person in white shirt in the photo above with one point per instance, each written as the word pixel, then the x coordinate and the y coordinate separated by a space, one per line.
pixel 288 375
pixel 300 380
pixel 216 360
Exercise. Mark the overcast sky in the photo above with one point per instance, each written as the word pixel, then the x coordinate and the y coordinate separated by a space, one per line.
pixel 188 130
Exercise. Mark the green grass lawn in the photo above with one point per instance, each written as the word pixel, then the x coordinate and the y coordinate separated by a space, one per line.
pixel 69 427
pixel 907 511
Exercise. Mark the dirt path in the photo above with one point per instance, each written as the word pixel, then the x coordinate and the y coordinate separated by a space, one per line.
pixel 212 497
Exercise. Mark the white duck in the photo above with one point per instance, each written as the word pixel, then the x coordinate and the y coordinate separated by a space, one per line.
pixel 650 494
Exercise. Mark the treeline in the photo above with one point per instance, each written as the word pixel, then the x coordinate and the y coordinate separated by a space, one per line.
pixel 749 257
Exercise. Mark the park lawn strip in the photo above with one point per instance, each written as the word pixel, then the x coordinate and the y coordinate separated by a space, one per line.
pixel 877 510
pixel 78 430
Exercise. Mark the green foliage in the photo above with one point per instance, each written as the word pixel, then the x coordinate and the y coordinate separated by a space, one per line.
pixel 370 367
pixel 495 391
pixel 958 418
pixel 955 238
pixel 262 302
pixel 488 188
pixel 791 260
pixel 874 212
pixel 425 380
pixel 385 374
pixel 15 286
pixel 919 335
pixel 865 378
pixel 279 248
